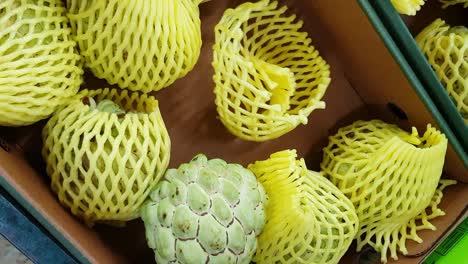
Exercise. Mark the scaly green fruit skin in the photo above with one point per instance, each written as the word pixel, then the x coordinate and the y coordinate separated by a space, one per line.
pixel 206 211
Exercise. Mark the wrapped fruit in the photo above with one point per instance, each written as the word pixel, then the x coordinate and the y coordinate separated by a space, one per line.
pixel 265 88
pixel 308 219
pixel 446 49
pixel 447 3
pixel 407 7
pixel 39 66
pixel 206 211
pixel 391 177
pixel 139 45
pixel 105 152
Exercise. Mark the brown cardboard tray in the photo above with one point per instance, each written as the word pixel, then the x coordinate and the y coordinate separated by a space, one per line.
pixel 365 80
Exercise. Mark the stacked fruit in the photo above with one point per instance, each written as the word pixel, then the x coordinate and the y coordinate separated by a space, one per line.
pixel 107 150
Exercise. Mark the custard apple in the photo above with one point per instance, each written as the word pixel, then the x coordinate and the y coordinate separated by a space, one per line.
pixel 446 49
pixel 206 211
pixel 143 45
pixel 105 152
pixel 40 68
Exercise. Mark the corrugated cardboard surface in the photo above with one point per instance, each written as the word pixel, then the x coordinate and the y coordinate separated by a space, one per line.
pixel 365 78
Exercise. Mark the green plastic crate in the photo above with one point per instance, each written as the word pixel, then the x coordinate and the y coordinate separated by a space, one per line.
pixel 403 38
pixel 454 249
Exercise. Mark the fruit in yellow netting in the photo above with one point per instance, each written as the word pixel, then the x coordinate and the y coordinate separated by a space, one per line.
pixel 39 66
pixel 268 76
pixel 141 45
pixel 446 49
pixel 105 152
pixel 391 177
pixel 407 7
pixel 447 3
pixel 308 219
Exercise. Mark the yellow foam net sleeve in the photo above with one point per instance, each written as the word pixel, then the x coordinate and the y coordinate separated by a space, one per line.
pixel 39 66
pixel 391 177
pixel 268 76
pixel 104 162
pixel 309 220
pixel 138 45
pixel 407 7
pixel 447 3
pixel 446 49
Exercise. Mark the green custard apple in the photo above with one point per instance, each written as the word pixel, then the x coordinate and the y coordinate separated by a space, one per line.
pixel 206 211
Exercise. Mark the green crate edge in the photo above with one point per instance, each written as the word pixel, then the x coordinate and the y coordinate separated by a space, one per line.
pixel 451 250
pixel 391 46
pixel 399 32
pixel 43 221
pixel 407 69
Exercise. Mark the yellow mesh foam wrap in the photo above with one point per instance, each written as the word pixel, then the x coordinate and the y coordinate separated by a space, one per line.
pixel 391 176
pixel 447 3
pixel 142 45
pixel 268 76
pixel 39 66
pixel 308 219
pixel 103 165
pixel 446 49
pixel 407 7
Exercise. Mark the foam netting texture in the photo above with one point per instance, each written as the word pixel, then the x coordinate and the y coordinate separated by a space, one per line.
pixel 407 7
pixel 446 49
pixel 447 3
pixel 308 219
pixel 139 45
pixel 391 177
pixel 268 76
pixel 103 165
pixel 40 68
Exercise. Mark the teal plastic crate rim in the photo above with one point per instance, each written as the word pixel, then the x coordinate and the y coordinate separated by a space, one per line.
pixel 416 83
pixel 398 30
pixel 43 221
pixel 451 250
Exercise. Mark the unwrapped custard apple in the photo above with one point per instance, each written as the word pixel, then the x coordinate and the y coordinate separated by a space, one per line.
pixel 142 45
pixel 39 66
pixel 446 49
pixel 105 151
pixel 408 7
pixel 206 211
pixel 391 177
pixel 308 219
